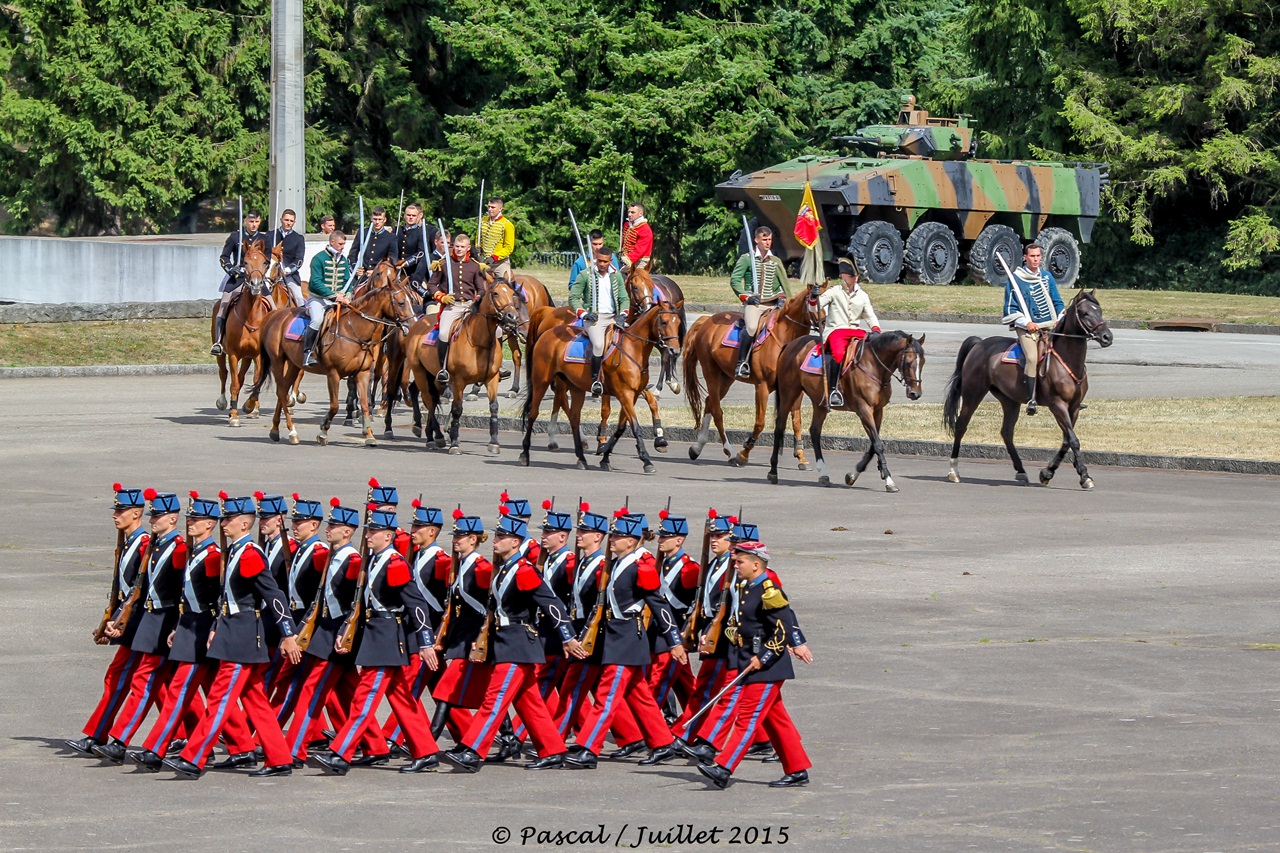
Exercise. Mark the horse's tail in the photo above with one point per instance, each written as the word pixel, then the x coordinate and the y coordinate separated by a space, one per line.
pixel 692 383
pixel 951 404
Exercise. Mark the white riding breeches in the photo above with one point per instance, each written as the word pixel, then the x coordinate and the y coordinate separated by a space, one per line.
pixel 450 315
pixel 316 308
pixel 751 315
pixel 598 333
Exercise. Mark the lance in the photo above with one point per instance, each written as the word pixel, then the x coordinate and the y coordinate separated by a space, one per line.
pixel 400 210
pixel 582 250
pixel 448 258
pixel 351 276
pixel 1017 291
pixel 240 238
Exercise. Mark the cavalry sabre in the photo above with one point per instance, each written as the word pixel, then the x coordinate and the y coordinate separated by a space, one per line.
pixel 622 215
pixel 751 250
pixel 711 703
pixel 448 253
pixel 480 216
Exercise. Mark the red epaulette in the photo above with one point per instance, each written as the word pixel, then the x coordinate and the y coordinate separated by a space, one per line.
pixel 689 573
pixel 443 563
pixel 403 543
pixel 213 562
pixel 251 563
pixel 647 576
pixel 527 576
pixel 179 558
pixel 773 576
pixel 319 556
pixel 397 571
pixel 483 573
pixel 353 567
pixel 293 545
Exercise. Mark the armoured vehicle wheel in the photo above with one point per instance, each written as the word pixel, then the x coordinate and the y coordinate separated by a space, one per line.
pixel 933 253
pixel 1061 255
pixel 983 265
pixel 877 251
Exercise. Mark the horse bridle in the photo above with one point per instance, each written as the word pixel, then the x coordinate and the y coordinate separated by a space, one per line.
pixel 511 327
pixel 659 340
pixel 1089 334
pixel 899 367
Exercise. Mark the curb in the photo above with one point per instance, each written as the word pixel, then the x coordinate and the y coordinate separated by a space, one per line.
pixel 108 370
pixel 942 450
pixel 27 312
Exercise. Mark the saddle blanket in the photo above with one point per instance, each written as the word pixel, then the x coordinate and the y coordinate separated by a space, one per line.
pixel 297 328
pixel 432 337
pixel 734 335
pixel 579 349
pixel 813 361
pixel 1013 355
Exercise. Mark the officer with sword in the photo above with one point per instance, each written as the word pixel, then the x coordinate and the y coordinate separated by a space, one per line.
pixel 1031 301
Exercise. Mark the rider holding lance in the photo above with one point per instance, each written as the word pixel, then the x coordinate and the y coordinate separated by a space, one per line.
pixel 601 300
pixel 413 242
pixel 497 239
pixel 759 279
pixel 231 259
pixel 455 284
pixel 845 306
pixel 1030 300
pixel 637 238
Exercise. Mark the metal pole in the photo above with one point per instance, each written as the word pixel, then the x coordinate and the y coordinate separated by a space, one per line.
pixel 587 269
pixel 240 227
pixel 288 149
pixel 400 210
pixel 751 251
pixel 351 275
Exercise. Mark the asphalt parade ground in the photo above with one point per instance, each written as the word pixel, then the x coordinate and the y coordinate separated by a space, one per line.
pixel 997 667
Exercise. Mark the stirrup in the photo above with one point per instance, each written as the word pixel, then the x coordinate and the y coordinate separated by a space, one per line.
pixel 597 388
pixel 744 369
pixel 216 349
pixel 309 359
pixel 442 375
pixel 835 399
pixel 1032 407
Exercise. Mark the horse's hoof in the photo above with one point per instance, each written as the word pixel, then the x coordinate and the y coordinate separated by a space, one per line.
pixel 455 451
pixel 737 461
pixel 471 398
pixel 302 396
pixel 512 394
pixel 348 422
pixel 221 404
pixel 660 443
pixel 772 477
pixel 582 464
pixel 599 449
pixel 386 433
pixel 293 401
pixel 1021 477
pixel 235 422
pixel 649 469
pixel 253 415
pixel 693 453
pixel 275 435
pixel 604 466
pixel 890 488
pixel 675 387
pixel 494 449
pixel 553 445
pixel 852 477
pixel 293 438
pixel 441 444
pixel 1086 483
pixel 953 477
pixel 1045 476
pixel 805 466
pixel 322 439
pixel 370 441
pixel 417 432
pixel 524 459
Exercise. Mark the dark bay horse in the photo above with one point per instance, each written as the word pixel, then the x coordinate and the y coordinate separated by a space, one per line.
pixel 349 345
pixel 866 384
pixel 475 356
pixel 703 352
pixel 1062 386
pixel 241 345
pixel 624 373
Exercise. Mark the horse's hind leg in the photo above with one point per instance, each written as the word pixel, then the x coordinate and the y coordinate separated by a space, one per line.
pixel 968 405
pixel 762 403
pixel 221 402
pixel 801 462
pixel 349 420
pixel 253 406
pixel 576 397
pixel 333 380
pixel 1066 420
pixel 234 368
pixel 606 409
pixel 1007 424
pixel 415 400
pixel 815 438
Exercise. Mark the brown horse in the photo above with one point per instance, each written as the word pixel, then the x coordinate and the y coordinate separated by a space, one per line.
pixel 241 344
pixel 534 294
pixel 866 383
pixel 1063 383
pixel 475 355
pixel 718 364
pixel 349 344
pixel 624 373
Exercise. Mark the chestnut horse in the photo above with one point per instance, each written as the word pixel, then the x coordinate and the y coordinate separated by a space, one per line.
pixel 475 355
pixel 349 345
pixel 624 374
pixel 1062 386
pixel 866 383
pixel 241 345
pixel 718 365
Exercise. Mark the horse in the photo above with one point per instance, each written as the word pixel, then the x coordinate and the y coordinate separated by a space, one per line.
pixel 866 384
pixel 624 374
pixel 475 355
pixel 1063 383
pixel 534 294
pixel 349 344
pixel 241 344
pixel 703 352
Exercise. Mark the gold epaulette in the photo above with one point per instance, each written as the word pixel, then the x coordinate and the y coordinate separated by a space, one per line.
pixel 437 265
pixel 773 598
pixel 483 267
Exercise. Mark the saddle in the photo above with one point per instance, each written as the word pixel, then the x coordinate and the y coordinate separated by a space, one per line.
pixel 297 328
pixel 813 361
pixel 579 349
pixel 1014 355
pixel 734 332
pixel 432 337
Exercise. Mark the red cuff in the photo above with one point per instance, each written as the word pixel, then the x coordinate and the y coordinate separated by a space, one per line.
pixel 496 259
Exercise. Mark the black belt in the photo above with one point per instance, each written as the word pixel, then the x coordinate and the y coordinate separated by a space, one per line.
pixel 381 614
pixel 164 605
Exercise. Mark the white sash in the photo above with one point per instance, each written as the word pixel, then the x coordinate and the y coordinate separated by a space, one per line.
pixel 719 566
pixel 194 562
pixel 157 560
pixel 420 561
pixel 227 597
pixel 669 578
pixel 337 568
pixel 585 571
pixel 375 571
pixel 125 556
pixel 618 567
pixel 459 583
pixel 300 561
pixel 509 571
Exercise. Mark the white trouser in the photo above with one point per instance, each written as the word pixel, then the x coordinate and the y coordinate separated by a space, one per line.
pixel 502 268
pixel 316 308
pixel 293 284
pixel 751 315
pixel 598 332
pixel 450 315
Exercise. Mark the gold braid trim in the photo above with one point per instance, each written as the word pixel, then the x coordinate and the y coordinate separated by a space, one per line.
pixel 778 642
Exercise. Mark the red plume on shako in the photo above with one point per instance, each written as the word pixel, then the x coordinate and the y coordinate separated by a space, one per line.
pixel 373 482
pixel 334 502
pixel 223 495
pixel 458 513
pixel 259 495
pixel 546 505
pixel 150 494
pixel 416 503
pixel 115 487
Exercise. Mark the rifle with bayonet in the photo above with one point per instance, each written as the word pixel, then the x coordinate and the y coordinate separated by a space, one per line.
pixel 100 633
pixel 442 632
pixel 690 633
pixel 347 633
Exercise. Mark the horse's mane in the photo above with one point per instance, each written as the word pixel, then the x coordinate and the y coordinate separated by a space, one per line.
pixel 891 337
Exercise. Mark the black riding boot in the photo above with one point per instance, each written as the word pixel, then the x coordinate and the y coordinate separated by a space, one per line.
pixel 836 399
pixel 440 719
pixel 443 349
pixel 219 332
pixel 597 388
pixel 1031 394
pixel 745 343
pixel 309 346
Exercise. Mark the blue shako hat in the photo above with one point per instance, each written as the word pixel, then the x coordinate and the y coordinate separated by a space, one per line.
pixel 629 524
pixel 673 525
pixel 381 519
pixel 202 507
pixel 555 521
pixel 269 505
pixel 339 514
pixel 427 514
pixel 510 525
pixel 380 494
pixel 745 532
pixel 591 522
pixel 162 502
pixel 127 498
pixel 519 507
pixel 463 523
pixel 720 523
pixel 306 510
pixel 236 506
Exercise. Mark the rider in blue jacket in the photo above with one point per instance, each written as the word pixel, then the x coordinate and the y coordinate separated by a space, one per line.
pixel 1031 301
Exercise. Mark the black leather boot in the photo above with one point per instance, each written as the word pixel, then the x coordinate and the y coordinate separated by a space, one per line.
pixel 1031 394
pixel 309 346
pixel 442 348
pixel 597 388
pixel 835 400
pixel 745 343
pixel 440 719
pixel 219 332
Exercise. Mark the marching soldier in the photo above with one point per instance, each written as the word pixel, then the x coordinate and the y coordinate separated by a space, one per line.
pixel 759 630
pixel 386 498
pixel 248 590
pixel 637 239
pixel 131 547
pixel 667 676
pixel 521 509
pixel 300 586
pixel 188 642
pixel 393 608
pixel 518 593
pixel 279 549
pixel 461 688
pixel 456 296
pixel 231 260
pixel 328 286
pixel 1031 299
pixel 159 585
pixel 381 247
pixel 292 255
pixel 583 573
pixel 497 239
pixel 557 571
pixel 414 241
pixel 601 300
pixel 633 582
pixel 759 279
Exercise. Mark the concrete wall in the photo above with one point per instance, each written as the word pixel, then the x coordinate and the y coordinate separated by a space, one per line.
pixel 55 270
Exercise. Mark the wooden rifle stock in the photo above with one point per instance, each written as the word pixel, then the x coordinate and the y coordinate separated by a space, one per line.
pixel 347 633
pixel 480 648
pixel 712 636
pixel 592 629
pixel 100 633
pixel 447 618
pixel 309 621
pixel 689 636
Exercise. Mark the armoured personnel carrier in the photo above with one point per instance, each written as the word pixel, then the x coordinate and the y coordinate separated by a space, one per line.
pixel 914 202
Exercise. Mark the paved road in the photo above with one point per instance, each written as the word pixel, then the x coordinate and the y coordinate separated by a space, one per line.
pixel 998 667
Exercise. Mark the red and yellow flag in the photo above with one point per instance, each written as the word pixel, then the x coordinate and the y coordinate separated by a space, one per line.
pixel 807 224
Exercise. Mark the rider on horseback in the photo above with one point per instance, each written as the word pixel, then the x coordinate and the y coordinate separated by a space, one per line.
pixel 382 246
pixel 414 240
pixel 328 285
pixel 637 238
pixel 596 238
pixel 231 257
pixel 1030 300
pixel 601 300
pixel 845 304
pixel 759 279
pixel 293 247
pixel 455 296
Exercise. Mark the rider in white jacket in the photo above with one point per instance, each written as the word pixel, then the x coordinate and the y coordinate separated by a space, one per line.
pixel 845 305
